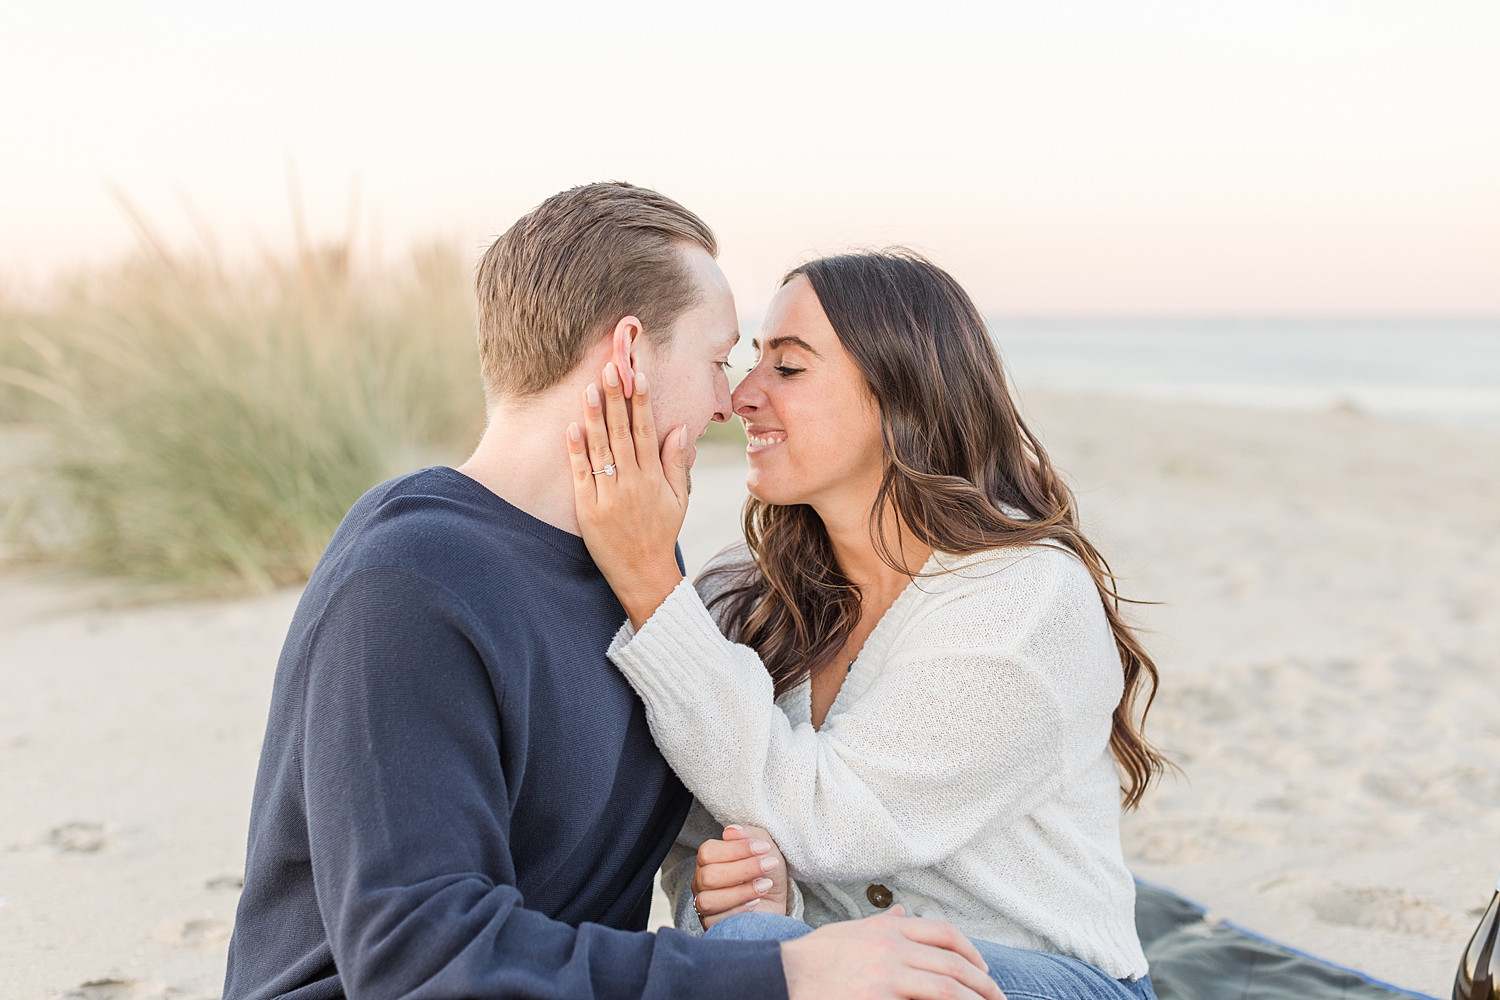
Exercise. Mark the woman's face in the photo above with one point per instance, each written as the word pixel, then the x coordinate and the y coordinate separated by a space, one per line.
pixel 813 424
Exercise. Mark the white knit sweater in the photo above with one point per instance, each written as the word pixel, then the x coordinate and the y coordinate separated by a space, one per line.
pixel 965 764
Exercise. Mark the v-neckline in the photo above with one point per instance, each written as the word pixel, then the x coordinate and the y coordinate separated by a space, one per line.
pixel 843 697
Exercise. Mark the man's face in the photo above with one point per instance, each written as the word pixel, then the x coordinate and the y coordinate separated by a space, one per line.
pixel 688 381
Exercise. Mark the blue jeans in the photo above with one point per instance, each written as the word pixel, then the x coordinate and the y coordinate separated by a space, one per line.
pixel 1021 975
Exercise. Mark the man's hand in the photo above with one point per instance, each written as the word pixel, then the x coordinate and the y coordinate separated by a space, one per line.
pixel 743 873
pixel 889 957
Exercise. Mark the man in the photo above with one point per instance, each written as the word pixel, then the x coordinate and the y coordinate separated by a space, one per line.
pixel 458 794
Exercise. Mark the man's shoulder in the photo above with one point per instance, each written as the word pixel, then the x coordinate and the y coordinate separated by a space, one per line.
pixel 405 517
pixel 435 524
pixel 431 519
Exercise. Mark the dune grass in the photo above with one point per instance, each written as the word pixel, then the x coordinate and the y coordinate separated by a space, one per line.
pixel 208 427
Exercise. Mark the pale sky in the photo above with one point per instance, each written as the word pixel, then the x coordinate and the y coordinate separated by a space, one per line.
pixel 1062 158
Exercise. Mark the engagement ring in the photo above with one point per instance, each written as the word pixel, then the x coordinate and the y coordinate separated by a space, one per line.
pixel 608 470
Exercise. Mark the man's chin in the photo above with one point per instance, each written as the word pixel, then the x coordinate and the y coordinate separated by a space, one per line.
pixel 688 458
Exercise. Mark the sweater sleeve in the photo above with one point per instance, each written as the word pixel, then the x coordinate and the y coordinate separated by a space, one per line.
pixel 409 827
pixel 963 727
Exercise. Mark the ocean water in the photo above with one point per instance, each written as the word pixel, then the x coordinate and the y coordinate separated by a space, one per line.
pixel 1442 372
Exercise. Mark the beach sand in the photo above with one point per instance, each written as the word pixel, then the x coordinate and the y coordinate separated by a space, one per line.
pixel 1330 656
pixel 1330 651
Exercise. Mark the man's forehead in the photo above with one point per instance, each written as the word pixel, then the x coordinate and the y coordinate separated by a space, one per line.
pixel 705 270
pixel 698 332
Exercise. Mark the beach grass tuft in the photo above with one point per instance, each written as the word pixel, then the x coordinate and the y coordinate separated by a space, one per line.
pixel 207 427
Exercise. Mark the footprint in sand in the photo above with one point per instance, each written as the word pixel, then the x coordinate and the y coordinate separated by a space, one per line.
pixel 102 989
pixel 1379 908
pixel 206 932
pixel 78 838
pixel 111 988
pixel 1371 907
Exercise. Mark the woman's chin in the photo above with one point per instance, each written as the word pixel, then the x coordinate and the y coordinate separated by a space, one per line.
pixel 767 489
pixel 774 478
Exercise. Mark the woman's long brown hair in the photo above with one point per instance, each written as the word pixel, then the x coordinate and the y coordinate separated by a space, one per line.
pixel 957 456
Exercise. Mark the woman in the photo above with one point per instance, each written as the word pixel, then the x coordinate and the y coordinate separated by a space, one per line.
pixel 926 693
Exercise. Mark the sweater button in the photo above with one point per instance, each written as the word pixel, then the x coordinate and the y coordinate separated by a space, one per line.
pixel 879 895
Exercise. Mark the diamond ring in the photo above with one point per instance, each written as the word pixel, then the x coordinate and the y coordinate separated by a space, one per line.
pixel 608 470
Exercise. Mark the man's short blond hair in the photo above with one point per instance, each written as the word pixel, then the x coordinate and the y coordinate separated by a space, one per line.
pixel 573 267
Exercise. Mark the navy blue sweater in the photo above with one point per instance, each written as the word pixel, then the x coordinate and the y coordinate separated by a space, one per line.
pixel 458 794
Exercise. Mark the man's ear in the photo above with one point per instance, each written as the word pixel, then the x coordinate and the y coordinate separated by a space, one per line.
pixel 626 332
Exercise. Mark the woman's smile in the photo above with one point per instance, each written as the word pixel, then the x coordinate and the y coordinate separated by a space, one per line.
pixel 763 439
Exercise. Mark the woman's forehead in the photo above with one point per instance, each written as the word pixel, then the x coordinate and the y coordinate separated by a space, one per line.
pixel 796 316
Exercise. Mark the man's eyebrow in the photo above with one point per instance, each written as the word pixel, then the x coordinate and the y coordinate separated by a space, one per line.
pixel 776 342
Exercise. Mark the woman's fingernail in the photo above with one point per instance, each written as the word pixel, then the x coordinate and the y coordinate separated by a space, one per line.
pixel 592 394
pixel 763 885
pixel 752 904
pixel 768 864
pixel 682 438
pixel 640 382
pixel 734 826
pixel 611 374
pixel 759 847
pixel 574 432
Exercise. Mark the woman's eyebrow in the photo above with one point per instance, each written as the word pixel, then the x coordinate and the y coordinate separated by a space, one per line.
pixel 776 342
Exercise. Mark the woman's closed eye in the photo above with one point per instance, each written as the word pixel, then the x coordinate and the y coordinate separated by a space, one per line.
pixel 787 371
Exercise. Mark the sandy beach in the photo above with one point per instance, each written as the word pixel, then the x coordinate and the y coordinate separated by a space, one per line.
pixel 1329 638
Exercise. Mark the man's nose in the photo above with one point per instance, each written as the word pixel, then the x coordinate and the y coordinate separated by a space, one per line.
pixel 723 404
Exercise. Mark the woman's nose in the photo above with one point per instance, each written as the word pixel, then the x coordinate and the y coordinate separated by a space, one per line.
pixel 745 399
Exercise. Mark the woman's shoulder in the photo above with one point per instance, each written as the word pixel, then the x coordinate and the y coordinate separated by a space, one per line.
pixel 1014 612
pixel 1004 587
pixel 1006 568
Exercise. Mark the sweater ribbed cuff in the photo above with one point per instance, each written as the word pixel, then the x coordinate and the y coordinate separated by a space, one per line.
pixel 796 905
pixel 663 659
